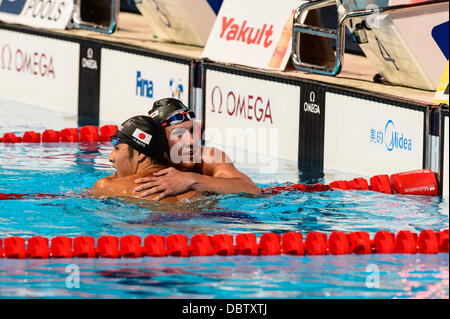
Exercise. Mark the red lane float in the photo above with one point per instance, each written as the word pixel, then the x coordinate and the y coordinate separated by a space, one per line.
pixel 222 245
pixel 338 244
pixel 51 136
pixel 443 241
pixel 12 196
pixel 31 137
pixel 292 244
pixel 417 182
pixel 106 132
pixel 11 138
pixel 269 244
pixel 88 133
pixel 61 247
pixel 177 245
pixel 70 135
pixel 246 244
pixel 384 242
pixel 355 184
pixel 295 187
pixel 316 243
pixel 154 246
pixel 200 245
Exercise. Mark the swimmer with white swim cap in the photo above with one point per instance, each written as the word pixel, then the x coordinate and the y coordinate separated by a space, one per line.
pixel 140 149
pixel 193 167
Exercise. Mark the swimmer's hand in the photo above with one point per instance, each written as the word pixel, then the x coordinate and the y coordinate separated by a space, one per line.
pixel 167 182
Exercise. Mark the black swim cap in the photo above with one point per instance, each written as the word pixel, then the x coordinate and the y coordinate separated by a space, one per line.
pixel 163 109
pixel 145 135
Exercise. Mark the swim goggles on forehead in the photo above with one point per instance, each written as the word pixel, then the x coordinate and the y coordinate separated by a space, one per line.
pixel 115 140
pixel 179 118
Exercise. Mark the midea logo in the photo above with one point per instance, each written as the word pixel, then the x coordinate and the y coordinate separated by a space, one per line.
pixel 394 139
pixel 391 138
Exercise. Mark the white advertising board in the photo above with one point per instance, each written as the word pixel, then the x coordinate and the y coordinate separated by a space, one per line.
pixel 39 71
pixel 131 83
pixel 50 14
pixel 260 116
pixel 244 33
pixel 369 138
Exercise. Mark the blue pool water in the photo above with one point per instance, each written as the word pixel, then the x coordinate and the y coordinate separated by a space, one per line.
pixel 70 169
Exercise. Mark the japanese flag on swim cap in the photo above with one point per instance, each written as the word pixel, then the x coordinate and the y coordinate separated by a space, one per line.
pixel 145 135
pixel 163 109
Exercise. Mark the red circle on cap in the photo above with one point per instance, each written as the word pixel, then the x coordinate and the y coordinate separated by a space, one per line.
pixel 142 136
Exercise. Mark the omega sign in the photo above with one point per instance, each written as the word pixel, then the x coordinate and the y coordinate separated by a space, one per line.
pixel 89 62
pixel 30 62
pixel 246 106
pixel 311 106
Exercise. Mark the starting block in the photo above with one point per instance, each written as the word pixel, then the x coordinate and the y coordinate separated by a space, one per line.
pixel 402 39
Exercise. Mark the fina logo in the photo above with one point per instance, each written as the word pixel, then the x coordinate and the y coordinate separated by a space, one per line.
pixel 176 88
pixel 144 87
pixel 395 140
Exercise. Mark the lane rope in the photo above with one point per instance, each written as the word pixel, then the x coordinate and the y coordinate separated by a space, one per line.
pixel 418 182
pixel 178 245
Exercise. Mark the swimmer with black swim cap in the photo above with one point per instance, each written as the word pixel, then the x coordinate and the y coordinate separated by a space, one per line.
pixel 193 167
pixel 140 149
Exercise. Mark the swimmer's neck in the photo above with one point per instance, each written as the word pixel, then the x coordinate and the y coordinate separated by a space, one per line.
pixel 148 167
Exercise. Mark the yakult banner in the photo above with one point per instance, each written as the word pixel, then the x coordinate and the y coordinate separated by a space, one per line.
pixel 50 14
pixel 254 33
pixel 39 71
pixel 131 83
pixel 367 137
pixel 256 115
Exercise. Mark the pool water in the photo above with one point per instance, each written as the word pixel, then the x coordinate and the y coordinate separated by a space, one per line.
pixel 71 169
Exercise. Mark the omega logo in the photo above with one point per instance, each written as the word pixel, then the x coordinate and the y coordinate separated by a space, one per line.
pixel 89 62
pixel 311 106
pixel 245 106
pixel 31 62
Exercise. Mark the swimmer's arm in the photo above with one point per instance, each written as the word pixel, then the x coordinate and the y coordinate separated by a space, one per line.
pixel 221 176
pixel 226 180
pixel 123 187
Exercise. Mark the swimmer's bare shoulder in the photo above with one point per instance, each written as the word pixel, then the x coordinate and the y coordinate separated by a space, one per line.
pixel 113 186
pixel 103 187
